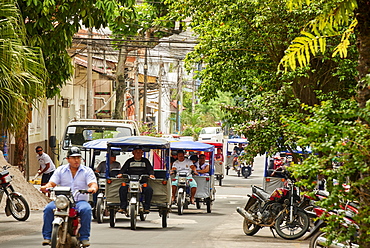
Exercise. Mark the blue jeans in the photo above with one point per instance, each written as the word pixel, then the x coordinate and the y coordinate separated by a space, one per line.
pixel 84 211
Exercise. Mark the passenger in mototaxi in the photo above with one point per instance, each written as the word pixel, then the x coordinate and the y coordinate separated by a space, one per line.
pixel 277 164
pixel 184 165
pixel 114 165
pixel 203 167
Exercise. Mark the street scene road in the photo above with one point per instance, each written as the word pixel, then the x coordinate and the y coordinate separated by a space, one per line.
pixel 195 228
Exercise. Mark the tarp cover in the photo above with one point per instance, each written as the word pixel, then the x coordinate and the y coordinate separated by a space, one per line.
pixel 243 141
pixel 98 144
pixel 144 141
pixel 191 145
pixel 204 189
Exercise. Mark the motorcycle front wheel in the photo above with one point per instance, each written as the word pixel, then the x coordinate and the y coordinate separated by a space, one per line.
pixel 319 241
pixel 315 240
pixel 133 215
pixel 56 237
pixel 180 203
pixel 18 207
pixel 294 229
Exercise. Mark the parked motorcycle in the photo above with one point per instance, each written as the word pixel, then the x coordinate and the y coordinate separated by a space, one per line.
pixel 319 238
pixel 136 207
pixel 66 221
pixel 16 204
pixel 278 210
pixel 183 192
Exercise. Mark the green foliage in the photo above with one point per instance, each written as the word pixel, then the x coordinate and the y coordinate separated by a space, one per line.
pixel 205 114
pixel 336 137
pixel 21 68
pixel 50 25
pixel 147 129
pixel 331 18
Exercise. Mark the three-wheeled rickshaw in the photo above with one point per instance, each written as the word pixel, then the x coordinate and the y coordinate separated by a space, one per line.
pixel 206 191
pixel 218 161
pixel 98 152
pixel 232 160
pixel 157 150
pixel 271 180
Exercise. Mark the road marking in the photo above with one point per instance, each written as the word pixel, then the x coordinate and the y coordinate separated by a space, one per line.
pixel 230 196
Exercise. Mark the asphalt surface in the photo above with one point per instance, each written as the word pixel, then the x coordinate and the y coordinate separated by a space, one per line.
pixel 195 228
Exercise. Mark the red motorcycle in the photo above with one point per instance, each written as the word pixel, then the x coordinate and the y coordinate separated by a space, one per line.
pixel 279 210
pixel 66 221
pixel 16 204
pixel 319 237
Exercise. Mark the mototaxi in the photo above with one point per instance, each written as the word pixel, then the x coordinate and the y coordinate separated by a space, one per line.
pixel 205 184
pixel 233 161
pixel 157 150
pixel 219 164
pixel 98 153
pixel 271 180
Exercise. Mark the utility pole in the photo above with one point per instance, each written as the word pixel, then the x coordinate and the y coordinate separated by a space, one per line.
pixel 193 95
pixel 137 103
pixel 160 71
pixel 179 97
pixel 145 84
pixel 89 84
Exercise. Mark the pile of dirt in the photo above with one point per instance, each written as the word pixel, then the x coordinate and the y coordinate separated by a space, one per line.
pixel 36 200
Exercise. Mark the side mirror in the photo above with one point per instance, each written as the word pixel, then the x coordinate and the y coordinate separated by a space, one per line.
pixel 53 141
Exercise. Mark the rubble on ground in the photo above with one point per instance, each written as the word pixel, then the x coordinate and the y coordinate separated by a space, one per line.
pixel 36 200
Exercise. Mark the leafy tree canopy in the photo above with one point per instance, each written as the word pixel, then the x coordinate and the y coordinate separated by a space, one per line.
pixel 21 68
pixel 51 25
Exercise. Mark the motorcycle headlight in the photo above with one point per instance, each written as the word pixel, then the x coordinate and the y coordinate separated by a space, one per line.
pixel 182 179
pixel 61 202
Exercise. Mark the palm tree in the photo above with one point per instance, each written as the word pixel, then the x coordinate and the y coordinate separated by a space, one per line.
pixel 22 74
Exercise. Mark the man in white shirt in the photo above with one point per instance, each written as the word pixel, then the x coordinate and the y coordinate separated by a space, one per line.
pixel 47 167
pixel 183 164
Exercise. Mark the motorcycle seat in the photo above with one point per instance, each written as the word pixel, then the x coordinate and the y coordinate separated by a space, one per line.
pixel 261 192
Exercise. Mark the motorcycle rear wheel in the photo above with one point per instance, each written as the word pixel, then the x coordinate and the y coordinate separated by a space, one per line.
pixel 295 229
pixel 249 228
pixel 112 217
pixel 18 207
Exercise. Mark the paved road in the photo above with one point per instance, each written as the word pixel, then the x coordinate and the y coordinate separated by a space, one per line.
pixel 196 228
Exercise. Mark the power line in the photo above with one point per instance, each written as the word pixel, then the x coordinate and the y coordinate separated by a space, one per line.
pixel 139 41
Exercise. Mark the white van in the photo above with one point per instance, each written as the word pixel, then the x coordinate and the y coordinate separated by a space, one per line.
pixel 211 134
pixel 83 130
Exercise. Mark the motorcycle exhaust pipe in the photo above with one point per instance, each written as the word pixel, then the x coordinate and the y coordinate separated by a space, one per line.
pixel 322 241
pixel 245 214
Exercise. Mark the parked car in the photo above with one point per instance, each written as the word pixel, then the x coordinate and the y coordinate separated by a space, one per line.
pixel 214 134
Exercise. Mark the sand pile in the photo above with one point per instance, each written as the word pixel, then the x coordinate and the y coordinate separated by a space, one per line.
pixel 36 200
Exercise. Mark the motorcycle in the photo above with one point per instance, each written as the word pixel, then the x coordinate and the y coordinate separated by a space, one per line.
pixel 319 238
pixel 66 221
pixel 136 206
pixel 278 210
pixel 183 192
pixel 246 169
pixel 16 204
